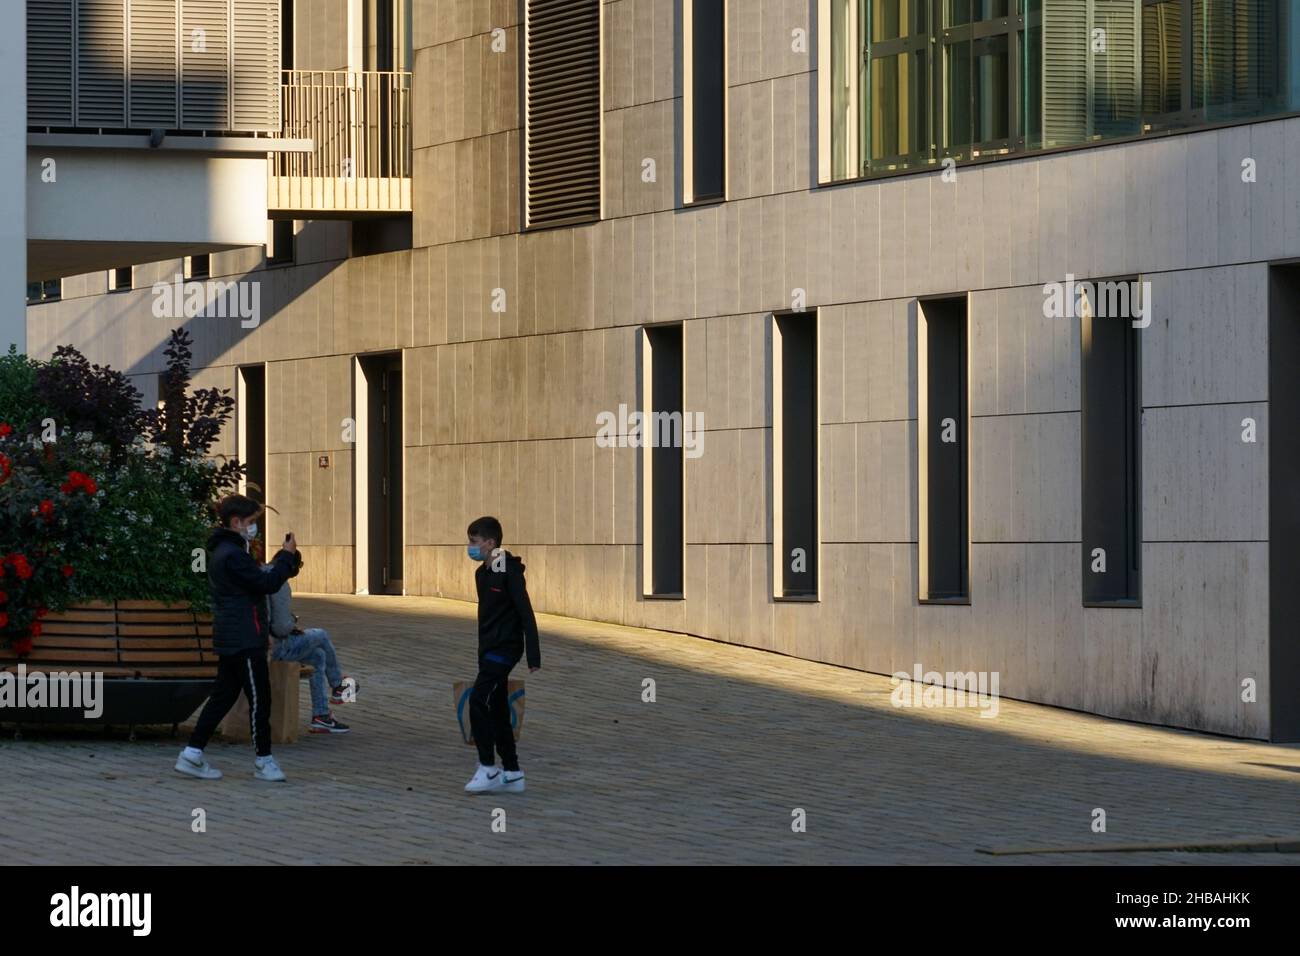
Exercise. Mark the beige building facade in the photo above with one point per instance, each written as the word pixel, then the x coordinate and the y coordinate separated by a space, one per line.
pixel 476 357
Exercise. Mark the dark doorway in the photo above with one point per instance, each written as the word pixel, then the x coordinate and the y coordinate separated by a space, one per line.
pixel 1283 501
pixel 252 442
pixel 383 462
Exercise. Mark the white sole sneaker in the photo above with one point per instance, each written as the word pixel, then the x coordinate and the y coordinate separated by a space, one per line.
pixel 273 776
pixel 200 770
pixel 514 786
pixel 490 785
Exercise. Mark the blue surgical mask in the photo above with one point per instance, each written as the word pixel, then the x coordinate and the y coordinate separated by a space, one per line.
pixel 475 553
pixel 250 533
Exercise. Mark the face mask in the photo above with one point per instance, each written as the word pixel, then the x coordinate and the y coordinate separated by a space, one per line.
pixel 250 533
pixel 474 552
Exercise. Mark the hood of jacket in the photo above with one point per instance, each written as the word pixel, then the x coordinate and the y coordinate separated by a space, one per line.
pixel 225 534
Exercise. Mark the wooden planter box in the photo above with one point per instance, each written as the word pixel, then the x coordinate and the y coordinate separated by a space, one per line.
pixel 156 660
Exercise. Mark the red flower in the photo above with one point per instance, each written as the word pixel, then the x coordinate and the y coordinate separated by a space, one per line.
pixel 46 510
pixel 6 469
pixel 23 645
pixel 6 430
pixel 79 481
pixel 41 612
pixel 67 571
pixel 4 597
pixel 20 565
pixel 36 632
pixel 4 619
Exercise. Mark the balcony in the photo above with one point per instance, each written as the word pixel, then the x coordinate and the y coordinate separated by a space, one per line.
pixel 360 163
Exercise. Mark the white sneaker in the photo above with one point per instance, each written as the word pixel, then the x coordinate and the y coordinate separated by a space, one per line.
pixel 197 768
pixel 485 780
pixel 512 781
pixel 269 770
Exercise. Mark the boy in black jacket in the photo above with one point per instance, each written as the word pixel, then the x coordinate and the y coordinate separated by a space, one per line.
pixel 239 635
pixel 506 630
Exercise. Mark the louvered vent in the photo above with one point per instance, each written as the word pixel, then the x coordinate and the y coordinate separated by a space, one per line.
pixel 153 63
pixel 101 63
pixel 1065 73
pixel 256 100
pixel 49 62
pixel 205 64
pixel 562 121
pixel 145 64
pixel 1162 62
pixel 1114 101
pixel 1090 80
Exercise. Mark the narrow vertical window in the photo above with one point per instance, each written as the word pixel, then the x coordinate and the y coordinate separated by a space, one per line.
pixel 279 250
pixel 795 420
pixel 1110 433
pixel 250 433
pixel 840 88
pixel 943 447
pixel 562 117
pixel 705 109
pixel 1283 502
pixel 663 429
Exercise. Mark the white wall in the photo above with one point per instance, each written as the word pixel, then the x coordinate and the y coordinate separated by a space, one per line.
pixel 136 195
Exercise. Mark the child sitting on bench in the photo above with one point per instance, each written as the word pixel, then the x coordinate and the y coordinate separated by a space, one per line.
pixel 311 646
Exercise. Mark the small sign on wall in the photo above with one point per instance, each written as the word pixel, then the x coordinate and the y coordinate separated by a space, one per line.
pixel 323 461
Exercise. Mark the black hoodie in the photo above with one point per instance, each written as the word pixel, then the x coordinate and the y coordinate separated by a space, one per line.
pixel 506 625
pixel 239 588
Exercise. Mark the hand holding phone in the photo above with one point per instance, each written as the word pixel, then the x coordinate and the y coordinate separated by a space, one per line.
pixel 290 543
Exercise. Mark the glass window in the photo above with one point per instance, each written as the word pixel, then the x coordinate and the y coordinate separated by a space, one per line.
pixel 899 110
pixel 1014 75
pixel 842 58
pixel 990 102
pixel 969 11
pixel 1031 76
pixel 1236 55
pixel 894 19
pixel 707 100
pixel 1162 58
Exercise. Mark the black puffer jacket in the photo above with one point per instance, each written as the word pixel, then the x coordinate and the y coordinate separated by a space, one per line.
pixel 507 629
pixel 239 589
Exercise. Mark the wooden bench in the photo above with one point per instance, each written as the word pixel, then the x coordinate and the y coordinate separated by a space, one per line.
pixel 157 661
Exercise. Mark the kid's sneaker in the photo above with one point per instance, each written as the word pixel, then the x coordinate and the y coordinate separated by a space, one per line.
pixel 485 780
pixel 326 724
pixel 267 769
pixel 197 768
pixel 512 781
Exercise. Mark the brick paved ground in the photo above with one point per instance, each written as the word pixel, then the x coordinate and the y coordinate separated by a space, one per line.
pixel 709 773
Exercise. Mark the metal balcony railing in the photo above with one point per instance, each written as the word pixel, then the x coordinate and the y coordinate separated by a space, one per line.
pixel 360 127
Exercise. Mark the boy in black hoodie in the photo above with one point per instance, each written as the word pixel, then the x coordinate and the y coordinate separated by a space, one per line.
pixel 506 630
pixel 240 586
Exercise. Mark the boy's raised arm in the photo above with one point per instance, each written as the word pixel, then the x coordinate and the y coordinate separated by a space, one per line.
pixel 243 567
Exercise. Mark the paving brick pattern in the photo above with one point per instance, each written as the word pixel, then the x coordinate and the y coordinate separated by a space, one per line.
pixel 711 772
